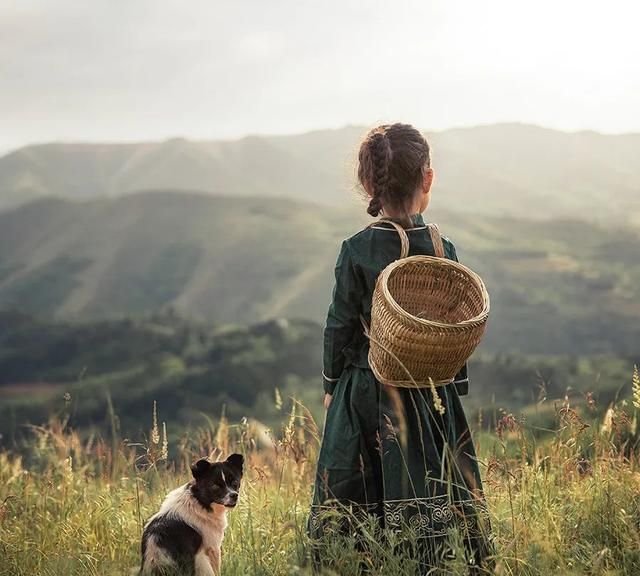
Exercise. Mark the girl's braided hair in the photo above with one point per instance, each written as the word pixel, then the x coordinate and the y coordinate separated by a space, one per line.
pixel 392 160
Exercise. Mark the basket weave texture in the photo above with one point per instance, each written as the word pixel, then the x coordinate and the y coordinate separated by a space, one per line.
pixel 428 316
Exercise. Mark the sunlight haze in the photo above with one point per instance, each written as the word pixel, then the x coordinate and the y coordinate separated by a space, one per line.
pixel 149 70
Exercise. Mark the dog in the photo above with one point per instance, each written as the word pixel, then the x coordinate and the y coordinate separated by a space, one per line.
pixel 185 536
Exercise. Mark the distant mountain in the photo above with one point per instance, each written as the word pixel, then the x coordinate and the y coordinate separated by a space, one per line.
pixel 506 169
pixel 228 259
pixel 306 167
pixel 561 286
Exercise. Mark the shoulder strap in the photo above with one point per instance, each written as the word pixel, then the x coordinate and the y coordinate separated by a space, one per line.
pixel 436 239
pixel 404 237
pixel 434 232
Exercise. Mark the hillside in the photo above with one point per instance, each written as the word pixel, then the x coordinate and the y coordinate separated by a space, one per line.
pixel 508 169
pixel 231 260
pixel 195 370
pixel 556 286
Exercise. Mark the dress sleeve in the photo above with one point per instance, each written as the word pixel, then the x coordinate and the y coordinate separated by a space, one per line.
pixel 342 318
pixel 461 381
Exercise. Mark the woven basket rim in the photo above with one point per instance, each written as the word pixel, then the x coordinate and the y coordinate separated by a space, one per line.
pixel 386 273
pixel 380 377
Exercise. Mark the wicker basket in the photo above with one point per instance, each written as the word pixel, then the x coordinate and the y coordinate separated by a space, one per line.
pixel 428 315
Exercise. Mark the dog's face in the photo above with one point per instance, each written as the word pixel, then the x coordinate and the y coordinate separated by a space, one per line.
pixel 217 482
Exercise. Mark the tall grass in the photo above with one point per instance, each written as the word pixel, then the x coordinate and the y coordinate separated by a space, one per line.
pixel 565 504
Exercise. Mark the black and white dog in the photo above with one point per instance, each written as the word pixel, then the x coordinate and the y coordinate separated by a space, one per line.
pixel 185 536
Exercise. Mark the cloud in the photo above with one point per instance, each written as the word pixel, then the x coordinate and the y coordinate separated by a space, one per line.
pixel 208 68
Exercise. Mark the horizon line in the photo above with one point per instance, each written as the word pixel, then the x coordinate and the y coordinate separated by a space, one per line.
pixel 248 135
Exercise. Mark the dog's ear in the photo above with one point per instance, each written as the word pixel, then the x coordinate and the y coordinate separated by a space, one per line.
pixel 200 467
pixel 236 460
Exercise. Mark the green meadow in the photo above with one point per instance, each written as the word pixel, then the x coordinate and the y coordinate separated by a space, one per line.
pixel 565 502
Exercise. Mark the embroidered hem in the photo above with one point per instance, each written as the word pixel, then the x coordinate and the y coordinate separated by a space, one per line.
pixel 427 517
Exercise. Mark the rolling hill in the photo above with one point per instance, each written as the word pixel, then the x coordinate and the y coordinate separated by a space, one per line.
pixel 83 371
pixel 228 259
pixel 557 286
pixel 193 371
pixel 508 169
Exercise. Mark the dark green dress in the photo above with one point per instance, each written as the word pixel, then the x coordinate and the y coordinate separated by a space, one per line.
pixel 391 452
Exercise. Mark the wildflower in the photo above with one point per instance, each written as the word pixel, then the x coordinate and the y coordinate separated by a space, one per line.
pixel 591 403
pixel 390 428
pixel 290 427
pixel 570 417
pixel 635 386
pixel 165 442
pixel 607 423
pixel 506 422
pixel 68 468
pixel 437 402
pixel 378 442
pixel 155 433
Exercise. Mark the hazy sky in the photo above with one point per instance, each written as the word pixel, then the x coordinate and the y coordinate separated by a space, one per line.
pixel 150 69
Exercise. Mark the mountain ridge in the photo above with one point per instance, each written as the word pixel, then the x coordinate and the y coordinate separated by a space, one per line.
pixel 361 128
pixel 502 169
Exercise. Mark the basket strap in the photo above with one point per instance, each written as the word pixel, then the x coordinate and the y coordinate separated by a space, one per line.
pixel 404 237
pixel 434 233
pixel 436 239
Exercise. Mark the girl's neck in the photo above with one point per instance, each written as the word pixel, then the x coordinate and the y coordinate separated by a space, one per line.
pixel 400 214
pixel 417 205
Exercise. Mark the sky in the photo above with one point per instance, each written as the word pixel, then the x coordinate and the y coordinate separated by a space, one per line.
pixel 129 70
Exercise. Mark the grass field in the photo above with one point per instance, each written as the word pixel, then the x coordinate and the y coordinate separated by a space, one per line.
pixel 567 502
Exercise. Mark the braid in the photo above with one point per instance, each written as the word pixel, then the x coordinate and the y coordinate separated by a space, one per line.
pixel 381 157
pixel 375 207
pixel 375 156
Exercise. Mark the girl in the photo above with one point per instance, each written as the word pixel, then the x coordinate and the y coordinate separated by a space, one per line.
pixel 404 455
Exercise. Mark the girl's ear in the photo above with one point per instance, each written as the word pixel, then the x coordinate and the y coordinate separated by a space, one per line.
pixel 200 467
pixel 425 191
pixel 428 181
